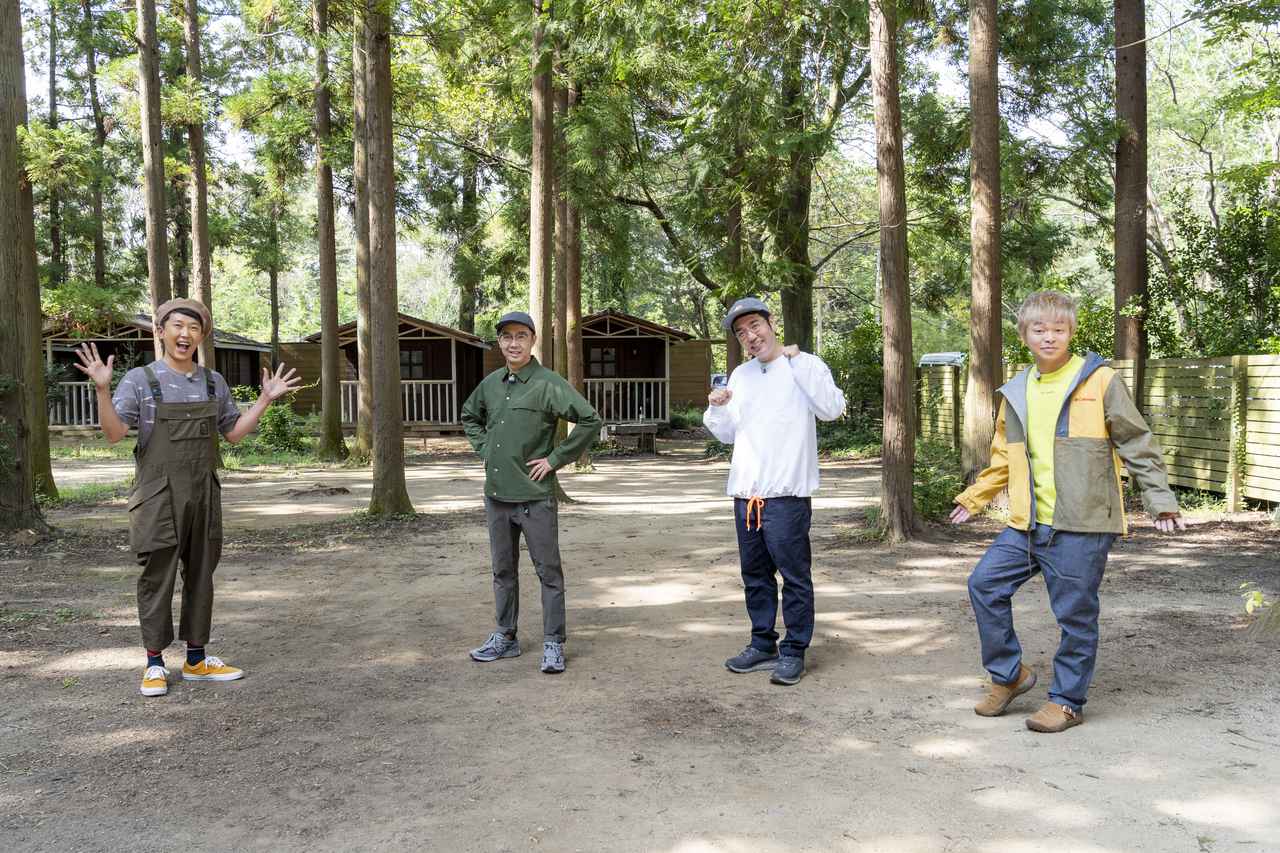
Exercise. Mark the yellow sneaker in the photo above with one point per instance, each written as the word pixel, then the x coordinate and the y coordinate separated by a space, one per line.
pixel 155 681
pixel 210 669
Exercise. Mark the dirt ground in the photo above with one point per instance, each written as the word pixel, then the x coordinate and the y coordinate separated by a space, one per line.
pixel 363 725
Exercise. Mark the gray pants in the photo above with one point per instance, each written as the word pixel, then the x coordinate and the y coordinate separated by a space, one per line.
pixel 538 520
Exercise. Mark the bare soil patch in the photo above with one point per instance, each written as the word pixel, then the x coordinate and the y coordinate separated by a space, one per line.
pixel 362 724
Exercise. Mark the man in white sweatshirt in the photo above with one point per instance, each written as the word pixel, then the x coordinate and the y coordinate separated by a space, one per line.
pixel 768 414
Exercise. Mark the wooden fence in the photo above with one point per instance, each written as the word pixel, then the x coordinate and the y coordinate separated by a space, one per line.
pixel 1217 419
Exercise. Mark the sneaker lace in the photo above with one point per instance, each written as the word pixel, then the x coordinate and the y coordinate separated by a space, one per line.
pixel 213 662
pixel 552 652
pixel 154 672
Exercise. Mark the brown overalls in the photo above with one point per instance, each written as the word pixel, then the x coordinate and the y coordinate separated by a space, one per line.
pixel 175 513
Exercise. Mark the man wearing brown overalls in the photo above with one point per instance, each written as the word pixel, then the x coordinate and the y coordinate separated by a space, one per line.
pixel 175 510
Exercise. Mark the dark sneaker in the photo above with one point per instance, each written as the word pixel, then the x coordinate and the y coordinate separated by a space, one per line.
pixel 498 645
pixel 788 670
pixel 751 659
pixel 552 657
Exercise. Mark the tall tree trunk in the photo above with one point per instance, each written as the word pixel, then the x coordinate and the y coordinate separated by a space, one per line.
pixel 541 217
pixel 897 509
pixel 19 288
pixel 57 254
pixel 560 194
pixel 792 228
pixel 733 222
pixel 153 157
pixel 201 252
pixel 181 222
pixel 99 144
pixel 984 227
pixel 363 445
pixel 331 446
pixel 466 267
pixel 574 355
pixel 273 285
pixel 389 494
pixel 1131 187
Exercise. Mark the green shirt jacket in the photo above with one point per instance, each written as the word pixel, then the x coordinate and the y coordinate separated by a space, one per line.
pixel 1097 428
pixel 511 418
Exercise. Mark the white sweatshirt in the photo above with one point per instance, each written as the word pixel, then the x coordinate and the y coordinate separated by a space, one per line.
pixel 769 420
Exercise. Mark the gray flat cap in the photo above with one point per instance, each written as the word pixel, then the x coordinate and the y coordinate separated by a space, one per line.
pixel 746 305
pixel 516 317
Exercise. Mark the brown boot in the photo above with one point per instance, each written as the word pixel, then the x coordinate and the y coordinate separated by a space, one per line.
pixel 1053 717
pixel 1002 694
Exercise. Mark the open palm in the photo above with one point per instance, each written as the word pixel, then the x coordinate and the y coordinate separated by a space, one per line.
pixel 276 385
pixel 92 365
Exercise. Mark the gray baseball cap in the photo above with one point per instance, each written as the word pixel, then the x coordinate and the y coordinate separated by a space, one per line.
pixel 746 305
pixel 516 317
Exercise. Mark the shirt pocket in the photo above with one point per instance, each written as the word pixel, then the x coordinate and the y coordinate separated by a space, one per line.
pixel 151 520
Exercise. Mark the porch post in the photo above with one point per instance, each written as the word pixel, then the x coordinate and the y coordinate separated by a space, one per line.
pixel 667 352
pixel 453 383
pixel 48 351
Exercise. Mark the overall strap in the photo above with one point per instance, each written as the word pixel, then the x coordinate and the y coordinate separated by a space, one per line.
pixel 156 391
pixel 208 384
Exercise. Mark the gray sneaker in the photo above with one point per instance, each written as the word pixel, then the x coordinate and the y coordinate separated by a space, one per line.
pixel 751 659
pixel 552 657
pixel 498 645
pixel 788 671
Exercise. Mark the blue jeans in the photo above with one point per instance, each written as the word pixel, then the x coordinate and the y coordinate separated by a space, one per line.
pixel 777 542
pixel 1072 564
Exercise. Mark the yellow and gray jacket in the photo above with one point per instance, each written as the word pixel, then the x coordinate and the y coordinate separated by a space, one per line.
pixel 1099 426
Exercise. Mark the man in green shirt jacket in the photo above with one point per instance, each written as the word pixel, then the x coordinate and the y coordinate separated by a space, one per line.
pixel 511 421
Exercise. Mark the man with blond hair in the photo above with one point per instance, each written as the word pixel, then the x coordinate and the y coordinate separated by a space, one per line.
pixel 1063 429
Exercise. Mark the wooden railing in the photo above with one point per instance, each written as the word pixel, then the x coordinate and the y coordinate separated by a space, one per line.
pixel 622 401
pixel 74 404
pixel 422 401
pixel 1217 419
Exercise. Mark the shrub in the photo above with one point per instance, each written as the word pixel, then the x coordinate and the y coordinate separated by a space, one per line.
pixel 937 480
pixel 244 393
pixel 686 417
pixel 282 429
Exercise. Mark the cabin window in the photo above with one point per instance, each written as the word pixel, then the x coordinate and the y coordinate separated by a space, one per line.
pixel 602 362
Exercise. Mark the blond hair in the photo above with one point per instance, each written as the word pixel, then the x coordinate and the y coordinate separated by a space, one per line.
pixel 1046 305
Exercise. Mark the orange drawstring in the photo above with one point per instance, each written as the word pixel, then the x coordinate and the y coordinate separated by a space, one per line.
pixel 758 503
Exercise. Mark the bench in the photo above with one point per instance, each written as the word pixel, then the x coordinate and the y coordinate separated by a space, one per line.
pixel 645 435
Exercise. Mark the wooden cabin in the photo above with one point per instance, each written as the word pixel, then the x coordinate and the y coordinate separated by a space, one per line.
pixel 132 342
pixel 635 370
pixel 439 368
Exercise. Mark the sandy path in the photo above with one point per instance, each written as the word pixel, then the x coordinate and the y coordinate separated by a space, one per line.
pixel 363 725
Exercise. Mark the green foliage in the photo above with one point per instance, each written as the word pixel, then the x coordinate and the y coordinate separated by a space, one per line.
pixel 1254 598
pixel 1217 291
pixel 848 438
pixel 244 393
pixel 86 494
pixel 856 358
pixel 938 480
pixel 686 417
pixel 282 429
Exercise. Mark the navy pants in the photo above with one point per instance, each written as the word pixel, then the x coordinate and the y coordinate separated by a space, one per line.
pixel 777 542
pixel 1072 564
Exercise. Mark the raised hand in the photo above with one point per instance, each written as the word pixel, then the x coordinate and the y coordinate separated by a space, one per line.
pixel 92 365
pixel 719 397
pixel 276 385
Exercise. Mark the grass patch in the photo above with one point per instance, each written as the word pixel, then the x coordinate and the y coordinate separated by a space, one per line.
pixel 10 617
pixel 1197 501
pixel 686 417
pixel 87 494
pixel 94 449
